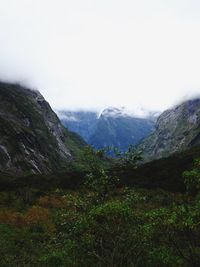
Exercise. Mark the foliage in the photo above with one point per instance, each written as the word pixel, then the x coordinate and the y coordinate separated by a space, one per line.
pixel 192 178
pixel 101 224
pixel 97 179
pixel 129 158
pixel 101 184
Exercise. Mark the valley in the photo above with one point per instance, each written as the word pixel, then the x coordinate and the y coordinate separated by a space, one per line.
pixel 112 127
pixel 66 203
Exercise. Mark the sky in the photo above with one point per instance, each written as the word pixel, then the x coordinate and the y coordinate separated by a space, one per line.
pixel 90 54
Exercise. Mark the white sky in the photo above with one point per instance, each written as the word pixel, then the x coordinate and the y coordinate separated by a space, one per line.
pixel 97 53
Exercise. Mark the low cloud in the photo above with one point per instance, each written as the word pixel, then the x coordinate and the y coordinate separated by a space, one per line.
pixel 91 55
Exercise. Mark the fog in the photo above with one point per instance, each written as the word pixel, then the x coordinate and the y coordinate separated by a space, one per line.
pixel 93 54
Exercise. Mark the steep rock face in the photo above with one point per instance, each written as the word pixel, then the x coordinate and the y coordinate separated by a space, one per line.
pixel 32 139
pixel 113 127
pixel 176 129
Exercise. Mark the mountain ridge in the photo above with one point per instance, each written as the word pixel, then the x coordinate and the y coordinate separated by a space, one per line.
pixel 176 129
pixel 32 139
pixel 117 127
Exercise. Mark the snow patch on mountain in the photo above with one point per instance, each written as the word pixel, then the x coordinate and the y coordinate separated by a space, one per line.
pixel 115 112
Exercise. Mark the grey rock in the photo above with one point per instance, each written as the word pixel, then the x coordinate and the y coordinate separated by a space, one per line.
pixel 32 139
pixel 176 129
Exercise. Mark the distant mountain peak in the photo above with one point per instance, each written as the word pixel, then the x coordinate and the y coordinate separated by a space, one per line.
pixel 116 112
pixel 114 126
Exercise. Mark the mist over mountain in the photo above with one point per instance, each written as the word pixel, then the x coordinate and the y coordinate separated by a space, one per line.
pixel 81 122
pixel 118 127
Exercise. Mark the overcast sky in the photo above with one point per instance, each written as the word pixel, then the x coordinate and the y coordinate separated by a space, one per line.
pixel 97 53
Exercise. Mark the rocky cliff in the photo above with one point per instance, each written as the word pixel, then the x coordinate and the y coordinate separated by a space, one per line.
pixel 176 129
pixel 32 139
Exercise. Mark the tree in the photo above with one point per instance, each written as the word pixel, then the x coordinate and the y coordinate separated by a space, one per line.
pixel 192 178
pixel 97 179
pixel 129 158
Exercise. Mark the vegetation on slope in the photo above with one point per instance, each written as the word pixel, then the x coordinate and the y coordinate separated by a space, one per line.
pixel 101 224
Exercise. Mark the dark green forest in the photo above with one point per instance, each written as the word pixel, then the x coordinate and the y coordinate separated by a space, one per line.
pixel 104 212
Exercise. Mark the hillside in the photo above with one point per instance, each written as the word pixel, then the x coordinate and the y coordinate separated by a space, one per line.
pixel 32 139
pixel 49 220
pixel 176 130
pixel 165 173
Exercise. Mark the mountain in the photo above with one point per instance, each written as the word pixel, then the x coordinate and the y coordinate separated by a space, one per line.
pixel 119 129
pixel 32 139
pixel 82 122
pixel 116 127
pixel 176 129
